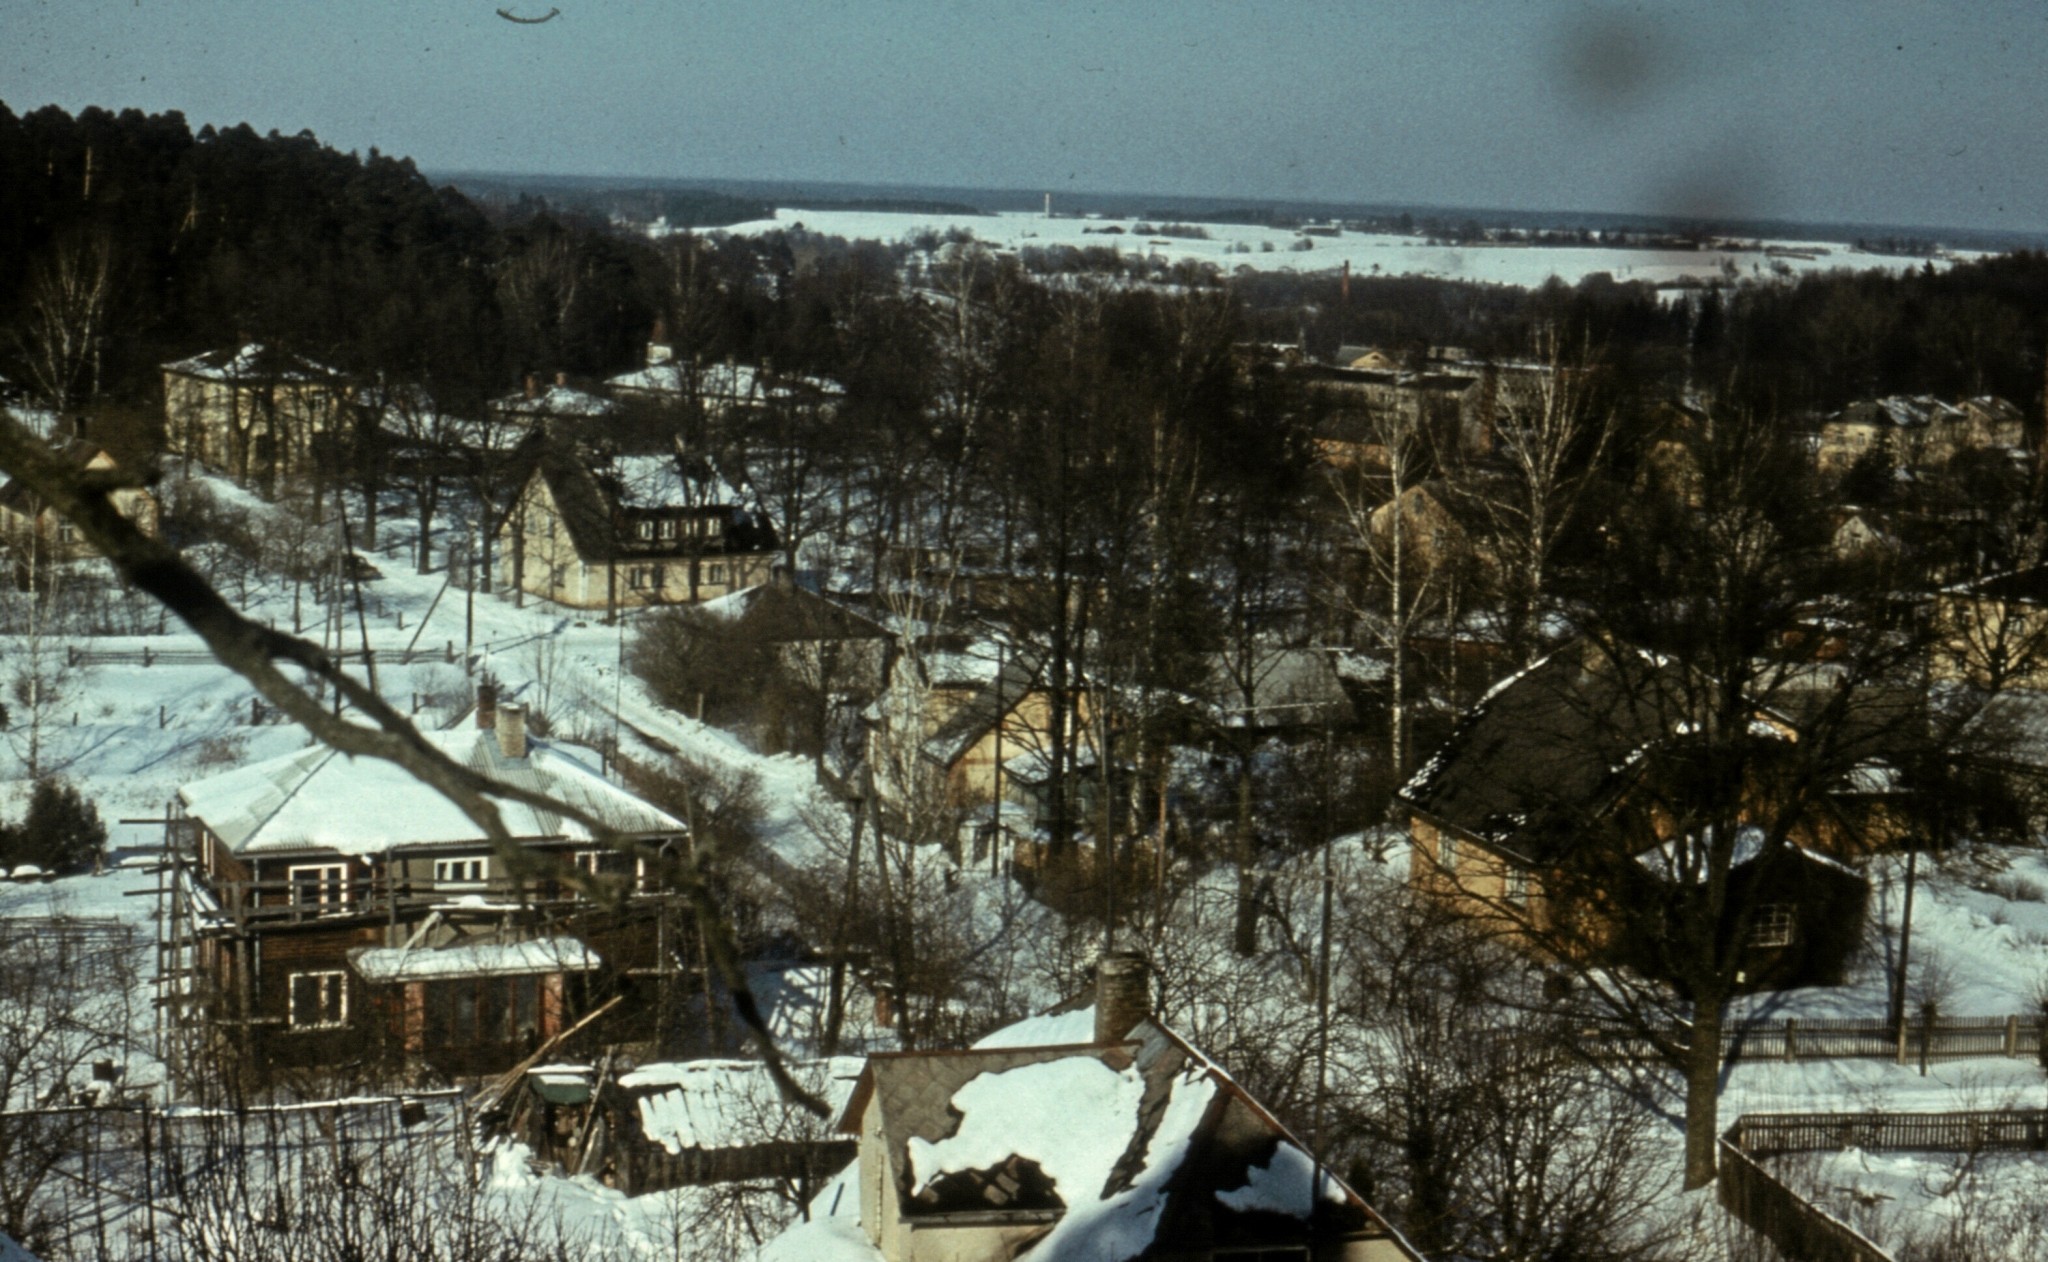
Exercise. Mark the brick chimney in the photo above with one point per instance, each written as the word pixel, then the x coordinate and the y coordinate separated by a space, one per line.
pixel 512 731
pixel 487 705
pixel 532 385
pixel 1122 995
pixel 561 378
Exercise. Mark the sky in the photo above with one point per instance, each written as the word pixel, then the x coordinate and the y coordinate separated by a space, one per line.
pixel 1866 111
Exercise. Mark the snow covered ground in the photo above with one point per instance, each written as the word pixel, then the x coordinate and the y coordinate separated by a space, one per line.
pixel 1231 246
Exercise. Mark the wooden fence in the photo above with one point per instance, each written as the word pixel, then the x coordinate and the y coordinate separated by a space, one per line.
pixel 1950 1038
pixel 2012 1130
pixel 1800 1229
pixel 1795 1226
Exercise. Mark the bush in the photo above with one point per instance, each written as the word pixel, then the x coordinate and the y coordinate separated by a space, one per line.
pixel 61 833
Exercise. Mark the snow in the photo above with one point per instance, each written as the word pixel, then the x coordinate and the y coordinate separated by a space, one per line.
pixel 831 1233
pixel 556 400
pixel 1073 1116
pixel 249 361
pixel 506 959
pixel 1123 1226
pixel 731 1104
pixel 1266 249
pixel 315 799
pixel 1281 1185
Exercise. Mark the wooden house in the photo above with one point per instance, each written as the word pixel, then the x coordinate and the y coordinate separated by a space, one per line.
pixel 340 909
pixel 1918 431
pixel 257 413
pixel 609 531
pixel 1555 800
pixel 1110 1136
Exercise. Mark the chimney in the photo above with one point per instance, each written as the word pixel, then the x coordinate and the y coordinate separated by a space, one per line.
pixel 659 351
pixel 561 378
pixel 487 705
pixel 532 386
pixel 512 731
pixel 1122 995
pixel 78 427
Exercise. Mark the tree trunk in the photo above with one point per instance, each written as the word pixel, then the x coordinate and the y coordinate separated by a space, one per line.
pixel 1703 1094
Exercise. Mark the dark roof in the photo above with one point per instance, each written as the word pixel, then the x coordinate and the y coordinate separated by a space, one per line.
pixel 1560 732
pixel 784 613
pixel 2019 587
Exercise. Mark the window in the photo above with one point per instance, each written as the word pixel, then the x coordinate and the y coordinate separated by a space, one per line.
pixel 714 574
pixel 459 872
pixel 1447 852
pixel 668 528
pixel 319 885
pixel 471 1011
pixel 606 863
pixel 319 1001
pixel 646 530
pixel 1775 925
pixel 1517 886
pixel 712 525
pixel 641 578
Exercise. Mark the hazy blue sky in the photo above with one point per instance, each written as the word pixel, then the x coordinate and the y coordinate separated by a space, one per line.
pixel 1864 110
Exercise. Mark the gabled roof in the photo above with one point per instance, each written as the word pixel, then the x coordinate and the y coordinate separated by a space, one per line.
pixel 1019 675
pixel 1123 1150
pixel 592 497
pixel 320 799
pixel 785 613
pixel 254 363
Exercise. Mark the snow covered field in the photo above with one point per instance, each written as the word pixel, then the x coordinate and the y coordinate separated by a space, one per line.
pixel 1231 246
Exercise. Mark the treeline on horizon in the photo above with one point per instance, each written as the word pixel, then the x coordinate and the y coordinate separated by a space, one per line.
pixel 219 235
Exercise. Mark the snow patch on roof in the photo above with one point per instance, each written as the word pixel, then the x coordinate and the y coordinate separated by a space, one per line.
pixel 1281 1186
pixel 1122 1226
pixel 733 1104
pixel 1013 1114
pixel 1046 1030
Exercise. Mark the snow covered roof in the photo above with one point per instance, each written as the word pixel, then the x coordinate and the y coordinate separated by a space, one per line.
pixel 486 959
pixel 255 361
pixel 720 383
pixel 556 400
pixel 1127 1149
pixel 319 799
pixel 709 1104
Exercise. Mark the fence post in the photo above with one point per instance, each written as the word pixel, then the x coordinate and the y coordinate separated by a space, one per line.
pixel 145 655
pixel 2012 1035
pixel 1791 1038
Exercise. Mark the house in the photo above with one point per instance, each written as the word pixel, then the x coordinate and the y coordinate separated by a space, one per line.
pixel 725 391
pixel 1093 1132
pixel 256 413
pixel 1918 431
pixel 597 531
pixel 1278 690
pixel 1572 749
pixel 988 737
pixel 337 908
pixel 32 530
pixel 1993 632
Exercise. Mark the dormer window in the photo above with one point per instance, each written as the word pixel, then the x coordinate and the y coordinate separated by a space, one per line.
pixel 668 528
pixel 646 530
pixel 460 873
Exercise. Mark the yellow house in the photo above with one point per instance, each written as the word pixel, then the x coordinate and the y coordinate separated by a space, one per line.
pixel 255 413
pixel 1994 632
pixel 627 531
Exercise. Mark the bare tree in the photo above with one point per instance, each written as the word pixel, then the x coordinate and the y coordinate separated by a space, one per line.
pixel 70 294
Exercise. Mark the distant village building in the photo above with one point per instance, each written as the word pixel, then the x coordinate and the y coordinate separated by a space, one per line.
pixel 1455 400
pixel 256 413
pixel 535 404
pixel 338 909
pixel 1918 431
pixel 598 531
